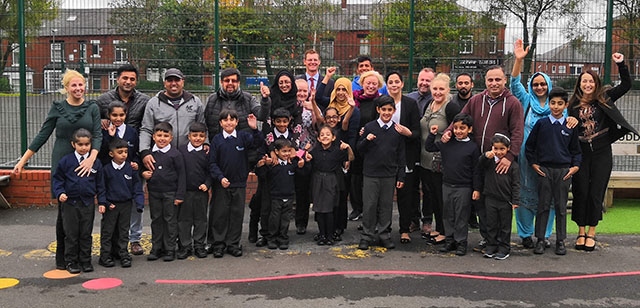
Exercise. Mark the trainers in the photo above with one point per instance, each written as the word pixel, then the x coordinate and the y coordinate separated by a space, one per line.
pixel 561 250
pixel 136 249
pixel 261 242
pixel 489 253
pixel 482 244
pixel 201 253
pixel 547 243
pixel 527 242
pixel 218 252
pixel 355 215
pixel 461 250
pixel 125 262
pixel 539 247
pixel 501 256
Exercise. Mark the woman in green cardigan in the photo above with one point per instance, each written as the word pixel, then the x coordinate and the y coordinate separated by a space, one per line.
pixel 66 117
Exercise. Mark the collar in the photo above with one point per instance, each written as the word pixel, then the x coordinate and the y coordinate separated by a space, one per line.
pixel 554 120
pixel 464 140
pixel 388 124
pixel 315 77
pixel 120 132
pixel 78 156
pixel 226 135
pixel 190 147
pixel 163 150
pixel 116 166
pixel 279 134
pixel 280 161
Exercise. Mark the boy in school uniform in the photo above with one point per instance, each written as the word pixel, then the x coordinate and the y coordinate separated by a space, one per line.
pixel 460 180
pixel 555 155
pixel 229 167
pixel 167 187
pixel 383 149
pixel 123 187
pixel 281 179
pixel 193 212
pixel 76 195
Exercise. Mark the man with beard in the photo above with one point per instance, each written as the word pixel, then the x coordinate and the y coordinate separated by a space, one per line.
pixel 423 95
pixel 464 85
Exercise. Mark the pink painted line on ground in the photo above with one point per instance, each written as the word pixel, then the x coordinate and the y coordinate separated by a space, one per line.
pixel 402 273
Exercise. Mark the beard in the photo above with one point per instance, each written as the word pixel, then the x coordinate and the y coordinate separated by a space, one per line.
pixel 464 92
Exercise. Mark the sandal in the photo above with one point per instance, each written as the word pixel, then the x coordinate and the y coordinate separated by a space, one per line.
pixel 590 248
pixel 405 238
pixel 413 227
pixel 434 241
pixel 580 246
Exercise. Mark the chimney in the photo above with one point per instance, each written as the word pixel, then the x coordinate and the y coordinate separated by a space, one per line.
pixel 343 4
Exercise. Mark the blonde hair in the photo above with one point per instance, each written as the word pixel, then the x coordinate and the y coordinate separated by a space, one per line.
pixel 66 79
pixel 442 77
pixel 371 73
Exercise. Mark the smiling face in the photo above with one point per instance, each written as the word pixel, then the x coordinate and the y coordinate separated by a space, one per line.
pixel 587 84
pixel 173 86
pixel 439 91
pixel 281 124
pixel 303 89
pixel 284 84
pixel 312 63
pixel 197 138
pixel 341 94
pixel 424 81
pixel 75 88
pixel 370 85
pixel 162 139
pixel 230 83
pixel 228 124
pixel 394 84
pixel 499 149
pixel 461 130
pixel 540 86
pixel 364 66
pixel 326 137
pixel 117 116
pixel 119 155
pixel 284 153
pixel 127 81
pixel 331 117
pixel 495 81
pixel 386 112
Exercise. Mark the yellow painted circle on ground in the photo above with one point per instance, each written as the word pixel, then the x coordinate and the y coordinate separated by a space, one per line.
pixel 58 274
pixel 8 282
pixel 5 253
pixel 145 242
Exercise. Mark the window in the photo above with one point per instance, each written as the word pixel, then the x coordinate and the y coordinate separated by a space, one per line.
pixel 15 54
pixel 153 74
pixel 56 52
pixel 575 69
pixel 493 44
pixel 113 76
pixel 562 69
pixel 364 46
pixel 120 55
pixel 466 44
pixel 553 69
pixel 52 81
pixel 82 51
pixel 95 48
pixel 326 49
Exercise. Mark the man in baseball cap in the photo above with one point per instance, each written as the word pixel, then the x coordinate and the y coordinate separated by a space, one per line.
pixel 173 72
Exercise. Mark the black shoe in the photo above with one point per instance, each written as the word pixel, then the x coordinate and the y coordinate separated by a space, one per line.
pixel 218 252
pixel 169 256
pixel 336 237
pixel 321 240
pixel 125 262
pixel 301 230
pixel 501 256
pixel 201 253
pixel 355 215
pixel 261 242
pixel 547 243
pixel 87 267
pixel 107 262
pixel 183 253
pixel 61 267
pixel 561 250
pixel 73 268
pixel 539 247
pixel 339 232
pixel 154 255
pixel 387 243
pixel 461 250
pixel 253 238
pixel 527 242
pixel 235 251
pixel 272 245
pixel 364 245
pixel 482 244
pixel 283 246
pixel 449 246
pixel 360 227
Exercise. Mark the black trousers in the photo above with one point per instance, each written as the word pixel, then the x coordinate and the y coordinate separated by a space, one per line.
pixel 355 192
pixel 341 212
pixel 408 199
pixel 260 207
pixel 60 263
pixel 590 185
pixel 279 219
pixel 192 215
pixel 552 189
pixel 303 199
pixel 164 221
pixel 432 199
pixel 225 217
pixel 114 230
pixel 498 220
pixel 77 220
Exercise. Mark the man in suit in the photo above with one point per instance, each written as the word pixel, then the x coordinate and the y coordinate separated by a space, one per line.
pixel 312 74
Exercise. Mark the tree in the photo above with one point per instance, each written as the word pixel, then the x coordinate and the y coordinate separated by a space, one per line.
pixel 629 23
pixel 36 12
pixel 531 14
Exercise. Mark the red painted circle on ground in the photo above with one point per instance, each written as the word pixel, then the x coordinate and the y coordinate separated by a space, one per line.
pixel 102 283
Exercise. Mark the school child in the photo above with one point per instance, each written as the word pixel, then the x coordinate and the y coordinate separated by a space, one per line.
pixel 459 180
pixel 229 167
pixel 117 128
pixel 193 211
pixel 327 159
pixel 260 202
pixel 555 155
pixel 123 187
pixel 502 196
pixel 281 178
pixel 76 195
pixel 383 149
pixel 166 184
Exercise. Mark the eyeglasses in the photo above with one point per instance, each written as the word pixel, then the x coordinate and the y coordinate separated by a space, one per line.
pixel 335 117
pixel 230 80
pixel 539 84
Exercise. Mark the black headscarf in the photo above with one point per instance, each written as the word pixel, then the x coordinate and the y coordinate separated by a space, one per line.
pixel 287 100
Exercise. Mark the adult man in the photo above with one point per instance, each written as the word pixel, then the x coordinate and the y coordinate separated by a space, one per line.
pixel 365 65
pixel 423 95
pixel 174 105
pixel 464 85
pixel 126 92
pixel 135 102
pixel 495 110
pixel 312 74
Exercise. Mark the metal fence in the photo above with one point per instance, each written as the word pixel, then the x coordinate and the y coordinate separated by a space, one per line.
pixel 261 37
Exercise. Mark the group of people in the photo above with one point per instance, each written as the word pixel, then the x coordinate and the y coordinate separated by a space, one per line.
pixel 313 139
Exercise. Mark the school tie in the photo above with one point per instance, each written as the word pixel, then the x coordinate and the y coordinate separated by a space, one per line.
pixel 385 127
pixel 81 159
pixel 311 85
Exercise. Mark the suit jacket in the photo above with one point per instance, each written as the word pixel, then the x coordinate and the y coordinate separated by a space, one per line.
pixel 410 117
pixel 327 90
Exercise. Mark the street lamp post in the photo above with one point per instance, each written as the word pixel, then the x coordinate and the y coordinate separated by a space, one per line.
pixel 53 52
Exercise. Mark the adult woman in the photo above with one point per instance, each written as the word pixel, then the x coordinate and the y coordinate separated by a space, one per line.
pixel 284 95
pixel 440 111
pixel 600 124
pixel 66 117
pixel 407 119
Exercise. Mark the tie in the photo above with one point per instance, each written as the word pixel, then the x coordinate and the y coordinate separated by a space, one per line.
pixel 311 85
pixel 385 127
pixel 81 159
pixel 283 163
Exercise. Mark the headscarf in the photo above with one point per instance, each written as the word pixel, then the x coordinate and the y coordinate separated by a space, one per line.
pixel 342 107
pixel 287 100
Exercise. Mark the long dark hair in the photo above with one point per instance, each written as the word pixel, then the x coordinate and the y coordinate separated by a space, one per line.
pixel 598 92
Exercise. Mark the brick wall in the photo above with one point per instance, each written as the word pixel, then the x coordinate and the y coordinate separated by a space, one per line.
pixel 33 188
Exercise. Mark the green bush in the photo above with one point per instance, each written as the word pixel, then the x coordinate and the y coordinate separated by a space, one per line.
pixel 5 87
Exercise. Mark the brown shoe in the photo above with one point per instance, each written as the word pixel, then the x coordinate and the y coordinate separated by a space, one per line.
pixel 136 249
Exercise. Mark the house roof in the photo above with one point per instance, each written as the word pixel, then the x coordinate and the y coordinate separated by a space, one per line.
pixel 79 22
pixel 577 52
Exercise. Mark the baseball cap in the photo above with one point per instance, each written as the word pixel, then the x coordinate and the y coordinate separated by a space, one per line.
pixel 173 72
